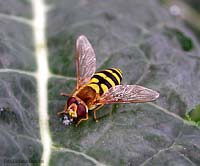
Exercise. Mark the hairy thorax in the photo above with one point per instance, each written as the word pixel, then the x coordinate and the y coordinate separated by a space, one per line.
pixel 87 95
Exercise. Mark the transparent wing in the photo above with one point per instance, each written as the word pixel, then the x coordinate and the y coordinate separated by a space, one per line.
pixel 128 94
pixel 85 61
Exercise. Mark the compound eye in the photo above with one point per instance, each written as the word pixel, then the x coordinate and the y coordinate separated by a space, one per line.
pixel 81 110
pixel 70 101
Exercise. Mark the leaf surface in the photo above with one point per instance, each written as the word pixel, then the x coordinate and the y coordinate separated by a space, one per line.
pixel 151 47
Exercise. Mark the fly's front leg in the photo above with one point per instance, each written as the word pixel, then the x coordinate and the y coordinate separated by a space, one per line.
pixel 65 94
pixel 86 118
pixel 95 115
pixel 64 111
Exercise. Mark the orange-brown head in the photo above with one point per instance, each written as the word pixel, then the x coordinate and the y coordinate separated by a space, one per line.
pixel 74 111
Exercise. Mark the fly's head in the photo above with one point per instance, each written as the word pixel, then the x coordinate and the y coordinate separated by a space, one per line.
pixel 74 110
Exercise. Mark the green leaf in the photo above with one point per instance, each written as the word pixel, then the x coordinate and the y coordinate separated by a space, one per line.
pixel 185 41
pixel 152 48
pixel 194 115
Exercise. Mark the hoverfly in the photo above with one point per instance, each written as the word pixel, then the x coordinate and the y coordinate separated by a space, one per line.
pixel 93 90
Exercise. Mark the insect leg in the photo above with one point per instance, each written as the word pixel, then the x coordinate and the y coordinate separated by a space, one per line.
pixel 97 108
pixel 82 120
pixel 64 111
pixel 59 113
pixel 65 94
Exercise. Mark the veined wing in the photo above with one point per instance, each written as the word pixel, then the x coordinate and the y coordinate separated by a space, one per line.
pixel 85 61
pixel 128 94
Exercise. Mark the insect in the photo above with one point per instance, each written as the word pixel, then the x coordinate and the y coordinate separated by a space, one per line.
pixel 93 90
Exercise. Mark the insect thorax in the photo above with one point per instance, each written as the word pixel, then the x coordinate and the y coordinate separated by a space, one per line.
pixel 87 95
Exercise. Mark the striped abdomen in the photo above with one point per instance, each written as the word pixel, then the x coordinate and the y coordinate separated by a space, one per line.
pixel 104 80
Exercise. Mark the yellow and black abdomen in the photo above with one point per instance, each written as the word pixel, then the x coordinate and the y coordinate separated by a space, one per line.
pixel 105 79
